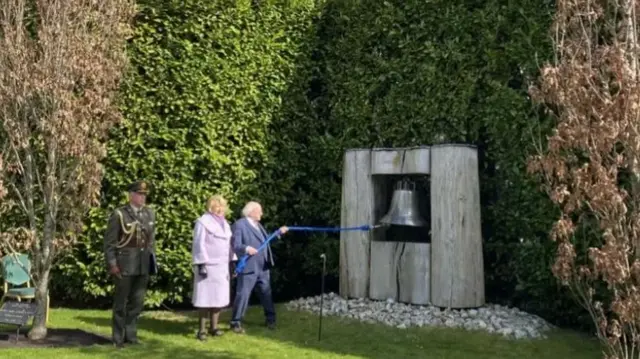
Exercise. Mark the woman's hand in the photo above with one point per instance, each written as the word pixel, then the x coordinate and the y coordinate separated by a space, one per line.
pixel 232 269
pixel 202 270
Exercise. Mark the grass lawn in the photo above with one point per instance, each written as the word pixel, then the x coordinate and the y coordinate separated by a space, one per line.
pixel 169 335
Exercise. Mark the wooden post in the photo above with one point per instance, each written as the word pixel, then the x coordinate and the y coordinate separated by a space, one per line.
pixel 414 273
pixel 417 161
pixel 357 210
pixel 400 161
pixel 384 270
pixel 457 265
pixel 400 271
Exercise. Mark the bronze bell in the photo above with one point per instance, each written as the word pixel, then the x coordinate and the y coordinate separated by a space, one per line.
pixel 404 209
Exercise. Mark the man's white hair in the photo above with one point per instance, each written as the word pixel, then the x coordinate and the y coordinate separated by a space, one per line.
pixel 250 207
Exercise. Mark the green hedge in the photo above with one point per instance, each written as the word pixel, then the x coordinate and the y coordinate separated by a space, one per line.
pixel 208 78
pixel 260 101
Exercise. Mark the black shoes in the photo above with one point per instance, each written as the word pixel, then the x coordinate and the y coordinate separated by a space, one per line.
pixel 202 336
pixel 216 332
pixel 120 345
pixel 236 328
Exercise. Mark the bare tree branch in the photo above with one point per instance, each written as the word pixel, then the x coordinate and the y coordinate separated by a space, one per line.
pixel 60 67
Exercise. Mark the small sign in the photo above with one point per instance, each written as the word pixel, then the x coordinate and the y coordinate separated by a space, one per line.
pixel 17 313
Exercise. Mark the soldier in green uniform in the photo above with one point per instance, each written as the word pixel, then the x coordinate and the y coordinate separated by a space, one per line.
pixel 129 248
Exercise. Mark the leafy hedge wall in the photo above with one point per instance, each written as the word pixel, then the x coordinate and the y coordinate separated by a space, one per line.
pixel 260 101
pixel 209 77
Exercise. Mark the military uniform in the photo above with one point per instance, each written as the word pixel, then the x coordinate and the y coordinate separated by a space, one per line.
pixel 129 244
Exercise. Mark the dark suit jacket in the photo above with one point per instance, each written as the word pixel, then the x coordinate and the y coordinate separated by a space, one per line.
pixel 244 234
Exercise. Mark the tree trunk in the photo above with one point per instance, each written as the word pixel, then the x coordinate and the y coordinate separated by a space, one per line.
pixel 43 255
pixel 39 329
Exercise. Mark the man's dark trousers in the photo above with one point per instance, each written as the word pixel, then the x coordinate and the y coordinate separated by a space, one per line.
pixel 127 306
pixel 246 282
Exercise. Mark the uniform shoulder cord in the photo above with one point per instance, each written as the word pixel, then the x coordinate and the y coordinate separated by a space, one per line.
pixel 128 233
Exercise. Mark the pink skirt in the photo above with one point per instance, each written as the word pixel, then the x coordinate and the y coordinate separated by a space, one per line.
pixel 214 290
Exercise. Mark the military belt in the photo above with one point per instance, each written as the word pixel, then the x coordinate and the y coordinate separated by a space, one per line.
pixel 135 244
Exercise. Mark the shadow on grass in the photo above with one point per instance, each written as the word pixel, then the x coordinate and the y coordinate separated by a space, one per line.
pixel 56 337
pixel 163 349
pixel 181 323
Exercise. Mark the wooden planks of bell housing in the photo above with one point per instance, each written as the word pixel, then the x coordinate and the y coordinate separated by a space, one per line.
pixel 357 210
pixel 409 271
pixel 457 274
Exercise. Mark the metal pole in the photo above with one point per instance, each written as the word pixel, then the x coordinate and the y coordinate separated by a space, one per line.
pixel 324 270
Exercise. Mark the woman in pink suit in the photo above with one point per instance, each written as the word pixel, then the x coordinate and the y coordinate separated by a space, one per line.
pixel 211 252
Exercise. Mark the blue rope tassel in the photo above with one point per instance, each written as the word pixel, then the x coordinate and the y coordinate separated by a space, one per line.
pixel 243 261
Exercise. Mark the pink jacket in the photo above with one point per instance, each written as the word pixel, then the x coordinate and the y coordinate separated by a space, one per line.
pixel 211 241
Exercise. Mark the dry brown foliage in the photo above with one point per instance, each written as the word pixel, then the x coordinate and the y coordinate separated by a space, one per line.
pixel 4 206
pixel 61 62
pixel 591 166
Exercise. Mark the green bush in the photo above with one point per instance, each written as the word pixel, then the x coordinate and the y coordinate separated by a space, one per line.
pixel 207 80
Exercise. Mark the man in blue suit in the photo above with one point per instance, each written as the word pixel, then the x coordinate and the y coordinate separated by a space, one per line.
pixel 248 235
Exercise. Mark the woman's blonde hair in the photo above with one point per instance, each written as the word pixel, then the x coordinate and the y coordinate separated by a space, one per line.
pixel 217 200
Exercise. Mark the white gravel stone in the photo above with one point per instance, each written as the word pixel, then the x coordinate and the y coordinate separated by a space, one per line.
pixel 492 318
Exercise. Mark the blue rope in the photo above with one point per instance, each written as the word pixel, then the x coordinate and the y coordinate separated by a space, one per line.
pixel 331 229
pixel 243 261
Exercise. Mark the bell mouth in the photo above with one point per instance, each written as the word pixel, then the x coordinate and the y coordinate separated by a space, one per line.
pixel 404 209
